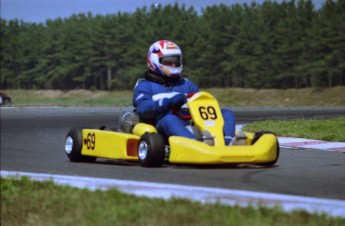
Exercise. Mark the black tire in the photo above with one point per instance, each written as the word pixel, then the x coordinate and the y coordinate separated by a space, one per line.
pixel 257 136
pixel 73 146
pixel 151 150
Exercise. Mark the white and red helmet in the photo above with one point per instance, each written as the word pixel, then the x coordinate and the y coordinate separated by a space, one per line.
pixel 165 58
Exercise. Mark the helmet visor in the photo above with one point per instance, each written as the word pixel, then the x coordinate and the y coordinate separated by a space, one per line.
pixel 171 61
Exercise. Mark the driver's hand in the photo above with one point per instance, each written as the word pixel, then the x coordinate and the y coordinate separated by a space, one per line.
pixel 178 100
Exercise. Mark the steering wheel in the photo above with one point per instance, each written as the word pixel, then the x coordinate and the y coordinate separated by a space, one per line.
pixel 183 111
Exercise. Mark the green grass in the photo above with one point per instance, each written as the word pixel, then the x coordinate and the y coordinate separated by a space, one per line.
pixel 69 98
pixel 280 97
pixel 325 129
pixel 226 96
pixel 26 202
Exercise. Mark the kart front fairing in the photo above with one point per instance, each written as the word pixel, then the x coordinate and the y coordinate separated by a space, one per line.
pixel 187 151
pixel 206 116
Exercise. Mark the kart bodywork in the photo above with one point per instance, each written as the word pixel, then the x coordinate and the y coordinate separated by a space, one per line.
pixel 145 145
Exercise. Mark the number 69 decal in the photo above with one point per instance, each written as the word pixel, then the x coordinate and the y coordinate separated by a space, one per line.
pixel 207 113
pixel 90 141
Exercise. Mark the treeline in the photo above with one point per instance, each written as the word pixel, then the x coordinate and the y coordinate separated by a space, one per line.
pixel 271 45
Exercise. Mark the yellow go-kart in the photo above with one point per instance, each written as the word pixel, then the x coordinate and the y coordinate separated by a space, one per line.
pixel 140 142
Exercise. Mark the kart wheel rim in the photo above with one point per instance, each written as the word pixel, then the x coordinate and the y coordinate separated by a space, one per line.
pixel 68 145
pixel 142 150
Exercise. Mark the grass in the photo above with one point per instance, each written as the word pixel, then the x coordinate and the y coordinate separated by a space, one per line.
pixel 26 202
pixel 226 96
pixel 325 129
pixel 280 97
pixel 22 98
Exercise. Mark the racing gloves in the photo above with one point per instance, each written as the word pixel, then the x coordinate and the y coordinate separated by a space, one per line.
pixel 177 100
pixel 167 104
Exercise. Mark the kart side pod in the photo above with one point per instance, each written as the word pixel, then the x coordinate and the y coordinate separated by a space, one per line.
pixel 85 145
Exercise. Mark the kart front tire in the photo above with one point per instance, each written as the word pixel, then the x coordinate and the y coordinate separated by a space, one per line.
pixel 151 150
pixel 257 137
pixel 73 146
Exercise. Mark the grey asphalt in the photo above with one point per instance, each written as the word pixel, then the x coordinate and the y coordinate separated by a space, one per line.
pixel 32 140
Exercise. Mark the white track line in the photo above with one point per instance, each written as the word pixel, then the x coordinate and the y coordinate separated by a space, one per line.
pixel 313 144
pixel 230 197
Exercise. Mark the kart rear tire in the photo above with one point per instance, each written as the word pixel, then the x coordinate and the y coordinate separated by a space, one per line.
pixel 257 137
pixel 73 146
pixel 151 150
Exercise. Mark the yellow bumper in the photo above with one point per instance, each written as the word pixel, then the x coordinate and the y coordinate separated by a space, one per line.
pixel 187 151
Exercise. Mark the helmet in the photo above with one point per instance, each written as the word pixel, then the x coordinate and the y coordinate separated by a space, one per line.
pixel 165 58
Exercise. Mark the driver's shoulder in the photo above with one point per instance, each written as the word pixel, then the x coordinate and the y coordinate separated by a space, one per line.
pixel 142 82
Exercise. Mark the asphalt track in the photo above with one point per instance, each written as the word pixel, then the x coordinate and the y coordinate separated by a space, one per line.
pixel 32 140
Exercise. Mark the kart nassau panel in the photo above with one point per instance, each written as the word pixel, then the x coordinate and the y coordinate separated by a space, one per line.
pixel 109 144
pixel 187 151
pixel 207 115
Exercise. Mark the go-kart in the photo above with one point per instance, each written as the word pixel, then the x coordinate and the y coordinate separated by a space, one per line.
pixel 140 142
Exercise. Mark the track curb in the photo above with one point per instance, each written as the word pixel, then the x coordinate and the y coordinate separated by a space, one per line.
pixel 302 143
pixel 229 197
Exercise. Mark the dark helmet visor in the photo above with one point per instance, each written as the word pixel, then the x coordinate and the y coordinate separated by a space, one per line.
pixel 171 61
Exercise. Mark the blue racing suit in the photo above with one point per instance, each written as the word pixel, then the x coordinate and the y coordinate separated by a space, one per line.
pixel 155 97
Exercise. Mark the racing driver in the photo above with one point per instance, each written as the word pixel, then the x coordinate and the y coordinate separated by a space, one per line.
pixel 164 88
